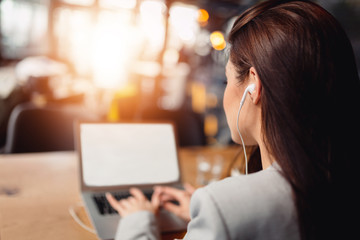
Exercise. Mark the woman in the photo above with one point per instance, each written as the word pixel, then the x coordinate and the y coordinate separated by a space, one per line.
pixel 302 115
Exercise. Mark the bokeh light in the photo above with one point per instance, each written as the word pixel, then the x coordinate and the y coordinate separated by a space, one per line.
pixel 217 40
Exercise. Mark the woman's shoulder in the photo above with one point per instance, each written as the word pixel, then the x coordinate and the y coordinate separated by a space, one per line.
pixel 264 184
pixel 247 202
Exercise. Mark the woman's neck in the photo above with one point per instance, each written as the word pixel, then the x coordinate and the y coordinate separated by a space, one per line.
pixel 266 158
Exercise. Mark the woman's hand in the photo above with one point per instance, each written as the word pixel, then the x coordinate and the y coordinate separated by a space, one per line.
pixel 162 196
pixel 168 194
pixel 137 202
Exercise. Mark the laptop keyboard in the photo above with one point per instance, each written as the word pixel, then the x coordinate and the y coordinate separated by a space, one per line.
pixel 104 206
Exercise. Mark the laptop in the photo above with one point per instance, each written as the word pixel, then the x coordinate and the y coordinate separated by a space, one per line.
pixel 116 156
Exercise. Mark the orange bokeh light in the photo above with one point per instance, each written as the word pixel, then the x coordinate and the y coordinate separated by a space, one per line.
pixel 203 16
pixel 217 40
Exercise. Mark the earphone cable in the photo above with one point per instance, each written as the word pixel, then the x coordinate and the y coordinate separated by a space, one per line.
pixel 242 140
pixel 78 220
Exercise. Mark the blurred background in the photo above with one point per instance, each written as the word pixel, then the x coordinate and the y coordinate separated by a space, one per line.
pixel 120 60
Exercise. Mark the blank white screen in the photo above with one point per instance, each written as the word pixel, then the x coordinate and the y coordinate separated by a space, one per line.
pixel 128 154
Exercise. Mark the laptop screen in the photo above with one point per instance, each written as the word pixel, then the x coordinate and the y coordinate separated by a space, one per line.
pixel 115 154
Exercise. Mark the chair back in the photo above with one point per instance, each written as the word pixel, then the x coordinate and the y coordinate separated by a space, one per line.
pixel 40 129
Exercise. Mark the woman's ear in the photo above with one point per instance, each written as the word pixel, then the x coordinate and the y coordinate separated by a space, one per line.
pixel 254 78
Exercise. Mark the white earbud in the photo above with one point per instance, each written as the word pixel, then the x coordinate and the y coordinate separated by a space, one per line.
pixel 249 89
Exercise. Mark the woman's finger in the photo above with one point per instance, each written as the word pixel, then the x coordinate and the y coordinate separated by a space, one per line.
pixel 177 194
pixel 155 199
pixel 138 194
pixel 165 197
pixel 132 200
pixel 113 202
pixel 128 202
pixel 175 209
pixel 159 190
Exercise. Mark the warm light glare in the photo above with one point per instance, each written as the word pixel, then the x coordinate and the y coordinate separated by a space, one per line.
pixel 183 19
pixel 152 24
pixel 171 56
pixel 113 114
pixel 107 43
pixel 211 100
pixel 217 40
pixel 74 31
pixel 203 16
pixel 198 94
pixel 127 4
pixel 80 2
pixel 107 46
pixel 210 125
pixel 127 92
pixel 111 52
pixel 152 8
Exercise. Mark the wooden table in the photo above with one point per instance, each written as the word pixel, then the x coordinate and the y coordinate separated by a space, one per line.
pixel 36 191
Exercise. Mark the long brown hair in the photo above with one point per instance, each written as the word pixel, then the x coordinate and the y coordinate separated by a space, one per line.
pixel 310 107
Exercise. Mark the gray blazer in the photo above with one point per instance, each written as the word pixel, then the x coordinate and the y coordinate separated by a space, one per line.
pixel 257 206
